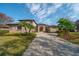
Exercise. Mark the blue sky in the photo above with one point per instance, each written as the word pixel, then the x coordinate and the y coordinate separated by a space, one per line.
pixel 41 13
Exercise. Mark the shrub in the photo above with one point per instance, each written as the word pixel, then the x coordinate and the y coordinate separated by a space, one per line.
pixel 2 32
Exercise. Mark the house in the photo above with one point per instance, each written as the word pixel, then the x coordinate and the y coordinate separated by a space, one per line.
pixel 14 27
pixel 29 21
pixel 18 28
pixel 52 28
pixel 4 27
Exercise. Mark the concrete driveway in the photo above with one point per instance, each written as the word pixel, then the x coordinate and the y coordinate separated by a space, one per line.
pixel 48 44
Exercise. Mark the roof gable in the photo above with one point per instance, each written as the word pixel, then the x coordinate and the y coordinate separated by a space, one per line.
pixel 28 20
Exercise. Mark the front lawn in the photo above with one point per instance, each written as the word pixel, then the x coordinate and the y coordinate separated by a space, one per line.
pixel 74 37
pixel 15 45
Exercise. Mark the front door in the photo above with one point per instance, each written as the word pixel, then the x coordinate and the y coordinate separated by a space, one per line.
pixel 41 28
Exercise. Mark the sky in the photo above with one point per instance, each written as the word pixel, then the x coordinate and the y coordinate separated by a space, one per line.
pixel 42 13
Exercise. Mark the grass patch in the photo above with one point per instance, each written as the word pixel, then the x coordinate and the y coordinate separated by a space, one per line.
pixel 15 45
pixel 74 37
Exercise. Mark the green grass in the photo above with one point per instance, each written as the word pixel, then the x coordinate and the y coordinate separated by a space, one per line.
pixel 74 37
pixel 4 39
pixel 15 45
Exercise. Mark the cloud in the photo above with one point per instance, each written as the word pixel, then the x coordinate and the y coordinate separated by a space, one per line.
pixel 75 8
pixel 42 10
pixel 74 11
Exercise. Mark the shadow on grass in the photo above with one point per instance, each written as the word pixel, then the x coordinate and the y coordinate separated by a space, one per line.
pixel 16 47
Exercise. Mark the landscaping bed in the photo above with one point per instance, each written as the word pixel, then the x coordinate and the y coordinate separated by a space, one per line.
pixel 15 45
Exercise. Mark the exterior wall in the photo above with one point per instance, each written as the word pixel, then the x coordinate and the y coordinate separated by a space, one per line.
pixel 53 29
pixel 27 30
pixel 23 30
pixel 31 22
pixel 34 24
pixel 13 28
pixel 4 28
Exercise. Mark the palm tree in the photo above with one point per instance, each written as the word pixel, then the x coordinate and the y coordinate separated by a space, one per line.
pixel 65 25
pixel 30 27
pixel 23 24
pixel 26 26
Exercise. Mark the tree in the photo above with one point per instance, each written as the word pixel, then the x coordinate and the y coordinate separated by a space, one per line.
pixel 65 25
pixel 26 26
pixel 23 24
pixel 30 27
pixel 5 19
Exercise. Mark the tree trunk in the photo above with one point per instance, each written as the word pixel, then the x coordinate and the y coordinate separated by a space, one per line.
pixel 66 35
pixel 25 31
pixel 29 31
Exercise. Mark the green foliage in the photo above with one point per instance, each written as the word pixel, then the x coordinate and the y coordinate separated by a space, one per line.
pixel 66 24
pixel 26 25
pixel 23 24
pixel 2 32
pixel 30 26
pixel 5 19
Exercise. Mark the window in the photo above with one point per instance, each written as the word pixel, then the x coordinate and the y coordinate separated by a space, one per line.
pixel 19 27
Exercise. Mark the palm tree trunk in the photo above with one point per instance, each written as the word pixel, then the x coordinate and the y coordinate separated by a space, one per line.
pixel 25 30
pixel 66 35
pixel 29 31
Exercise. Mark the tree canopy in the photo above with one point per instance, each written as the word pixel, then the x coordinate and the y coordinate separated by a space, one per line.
pixel 5 19
pixel 26 25
pixel 64 23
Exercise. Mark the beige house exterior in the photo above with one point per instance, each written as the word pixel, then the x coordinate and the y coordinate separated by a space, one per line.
pixel 52 28
pixel 38 27
pixel 13 28
pixel 2 27
pixel 29 22
pixel 17 28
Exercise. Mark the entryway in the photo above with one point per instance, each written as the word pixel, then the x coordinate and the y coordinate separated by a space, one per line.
pixel 41 28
